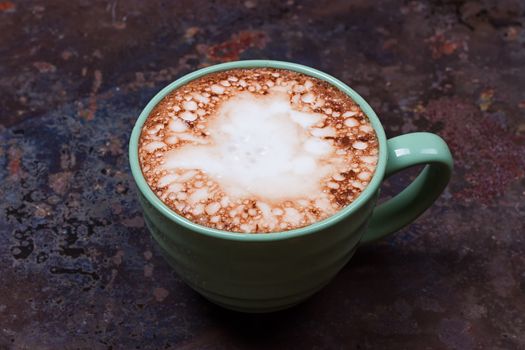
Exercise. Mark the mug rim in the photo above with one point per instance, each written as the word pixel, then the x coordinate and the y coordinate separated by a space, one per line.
pixel 362 199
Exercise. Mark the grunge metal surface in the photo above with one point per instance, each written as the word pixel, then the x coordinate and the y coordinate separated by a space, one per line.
pixel 78 269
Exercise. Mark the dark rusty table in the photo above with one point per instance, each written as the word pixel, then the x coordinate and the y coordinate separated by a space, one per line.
pixel 78 269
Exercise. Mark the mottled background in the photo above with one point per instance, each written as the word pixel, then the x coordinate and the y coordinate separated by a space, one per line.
pixel 78 269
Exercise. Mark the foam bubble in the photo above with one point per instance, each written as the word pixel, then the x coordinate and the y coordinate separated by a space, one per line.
pixel 349 114
pixel 167 179
pixel 217 89
pixel 365 175
pixel 177 125
pixel 199 195
pixel 369 159
pixel 308 98
pixel 153 146
pixel 359 145
pixel 200 98
pixel 212 208
pixel 188 116
pixel 308 84
pixel 351 122
pixel 190 105
pixel 292 216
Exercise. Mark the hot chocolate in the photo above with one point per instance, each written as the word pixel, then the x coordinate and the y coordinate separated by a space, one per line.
pixel 257 150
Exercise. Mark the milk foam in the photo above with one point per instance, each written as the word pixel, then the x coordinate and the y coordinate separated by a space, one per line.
pixel 257 150
pixel 259 146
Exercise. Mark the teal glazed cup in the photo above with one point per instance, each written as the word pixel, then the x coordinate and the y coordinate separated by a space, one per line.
pixel 273 271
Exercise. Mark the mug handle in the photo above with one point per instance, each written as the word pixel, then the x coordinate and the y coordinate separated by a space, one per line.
pixel 403 152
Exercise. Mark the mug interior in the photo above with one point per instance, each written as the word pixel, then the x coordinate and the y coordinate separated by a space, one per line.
pixel 367 193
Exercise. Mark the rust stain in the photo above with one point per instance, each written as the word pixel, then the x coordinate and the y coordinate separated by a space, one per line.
pixel 89 113
pixel 512 33
pixel 14 166
pixel 112 147
pixel 148 255
pixel 136 221
pixel 60 182
pixel 441 46
pixel 15 155
pixel 521 129
pixel 148 270
pixel 42 210
pixel 160 294
pixel 231 49
pixel 485 99
pixel 486 156
pixel 117 258
pixel 249 4
pixel 45 67
pixel 191 32
pixel 120 25
pixel 6 6
pixel 66 55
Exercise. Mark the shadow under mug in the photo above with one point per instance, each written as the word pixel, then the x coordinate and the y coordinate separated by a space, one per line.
pixel 273 271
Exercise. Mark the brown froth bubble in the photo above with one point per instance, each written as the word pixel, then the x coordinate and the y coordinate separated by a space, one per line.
pixel 182 151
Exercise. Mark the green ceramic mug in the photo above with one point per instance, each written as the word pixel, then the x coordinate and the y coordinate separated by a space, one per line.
pixel 273 271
